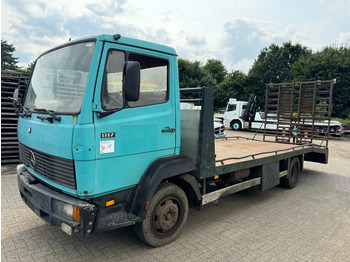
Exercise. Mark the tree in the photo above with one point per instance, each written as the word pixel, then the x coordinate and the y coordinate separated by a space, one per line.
pixel 232 86
pixel 191 75
pixel 8 62
pixel 214 75
pixel 331 62
pixel 30 67
pixel 273 66
pixel 216 69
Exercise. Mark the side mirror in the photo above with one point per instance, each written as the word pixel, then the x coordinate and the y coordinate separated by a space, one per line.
pixel 132 80
pixel 15 98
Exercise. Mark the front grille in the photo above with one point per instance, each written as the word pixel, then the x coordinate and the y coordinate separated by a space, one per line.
pixel 219 130
pixel 57 169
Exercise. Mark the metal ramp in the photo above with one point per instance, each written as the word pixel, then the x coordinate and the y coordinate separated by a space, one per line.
pixel 294 111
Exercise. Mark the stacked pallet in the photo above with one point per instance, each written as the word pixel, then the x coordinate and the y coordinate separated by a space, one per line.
pixel 9 143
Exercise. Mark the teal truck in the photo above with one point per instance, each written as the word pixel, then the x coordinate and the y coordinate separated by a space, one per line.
pixel 104 145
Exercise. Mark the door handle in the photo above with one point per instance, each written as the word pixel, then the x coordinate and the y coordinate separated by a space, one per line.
pixel 168 130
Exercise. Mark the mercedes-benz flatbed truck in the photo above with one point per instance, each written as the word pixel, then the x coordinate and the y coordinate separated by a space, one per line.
pixel 104 145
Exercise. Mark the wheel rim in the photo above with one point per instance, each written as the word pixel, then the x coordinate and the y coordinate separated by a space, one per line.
pixel 166 216
pixel 235 126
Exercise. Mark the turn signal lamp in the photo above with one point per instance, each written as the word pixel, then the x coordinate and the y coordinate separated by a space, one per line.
pixel 110 203
pixel 147 205
pixel 69 211
pixel 76 214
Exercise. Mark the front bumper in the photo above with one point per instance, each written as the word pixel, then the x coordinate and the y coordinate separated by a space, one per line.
pixel 44 202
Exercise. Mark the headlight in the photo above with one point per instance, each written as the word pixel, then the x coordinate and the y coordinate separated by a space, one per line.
pixel 69 211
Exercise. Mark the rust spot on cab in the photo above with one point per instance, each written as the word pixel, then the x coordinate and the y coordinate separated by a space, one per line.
pixel 74 119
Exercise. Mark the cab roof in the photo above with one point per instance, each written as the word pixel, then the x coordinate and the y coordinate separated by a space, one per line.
pixel 132 42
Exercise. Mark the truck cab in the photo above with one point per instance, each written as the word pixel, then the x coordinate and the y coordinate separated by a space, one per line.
pixel 97 124
pixel 233 113
pixel 97 114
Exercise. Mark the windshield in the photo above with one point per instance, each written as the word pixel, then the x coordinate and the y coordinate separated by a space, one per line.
pixel 59 79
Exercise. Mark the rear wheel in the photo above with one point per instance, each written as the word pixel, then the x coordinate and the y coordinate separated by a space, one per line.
pixel 291 180
pixel 236 125
pixel 166 216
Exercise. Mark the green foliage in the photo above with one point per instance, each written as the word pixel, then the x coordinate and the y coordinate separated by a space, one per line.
pixel 8 62
pixel 331 62
pixel 232 86
pixel 213 74
pixel 216 69
pixel 30 67
pixel 192 74
pixel 273 66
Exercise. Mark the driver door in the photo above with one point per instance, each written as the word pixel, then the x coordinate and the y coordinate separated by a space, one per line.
pixel 135 133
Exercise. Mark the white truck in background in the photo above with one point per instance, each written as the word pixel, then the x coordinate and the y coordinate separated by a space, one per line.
pixel 240 115
pixel 244 115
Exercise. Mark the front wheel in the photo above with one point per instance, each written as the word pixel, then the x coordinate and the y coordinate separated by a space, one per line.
pixel 236 125
pixel 166 216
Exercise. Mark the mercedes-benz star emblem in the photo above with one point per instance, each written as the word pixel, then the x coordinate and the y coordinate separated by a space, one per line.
pixel 32 160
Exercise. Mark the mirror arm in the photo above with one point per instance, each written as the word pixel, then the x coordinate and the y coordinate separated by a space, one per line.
pixel 26 113
pixel 104 114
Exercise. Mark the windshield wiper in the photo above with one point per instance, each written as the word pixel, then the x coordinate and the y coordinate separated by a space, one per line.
pixel 50 112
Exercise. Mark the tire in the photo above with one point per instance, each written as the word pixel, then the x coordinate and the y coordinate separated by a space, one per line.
pixel 166 216
pixel 291 180
pixel 236 125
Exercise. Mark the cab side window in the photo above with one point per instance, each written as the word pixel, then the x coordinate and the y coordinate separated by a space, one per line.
pixel 154 80
pixel 112 89
pixel 231 107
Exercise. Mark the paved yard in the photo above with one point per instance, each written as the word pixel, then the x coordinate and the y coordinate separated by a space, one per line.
pixel 308 223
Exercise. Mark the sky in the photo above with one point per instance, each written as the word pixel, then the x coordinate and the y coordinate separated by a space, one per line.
pixel 233 31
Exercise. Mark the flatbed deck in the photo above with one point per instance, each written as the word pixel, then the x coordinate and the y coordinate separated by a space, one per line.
pixel 240 149
pixel 240 153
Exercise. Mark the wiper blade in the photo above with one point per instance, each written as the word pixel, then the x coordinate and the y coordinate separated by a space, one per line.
pixel 50 112
pixel 48 118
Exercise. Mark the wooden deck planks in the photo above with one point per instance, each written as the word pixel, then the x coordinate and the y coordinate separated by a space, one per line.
pixel 242 147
